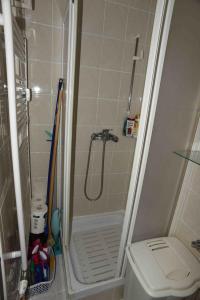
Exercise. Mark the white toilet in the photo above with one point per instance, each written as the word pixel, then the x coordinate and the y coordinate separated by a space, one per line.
pixel 161 268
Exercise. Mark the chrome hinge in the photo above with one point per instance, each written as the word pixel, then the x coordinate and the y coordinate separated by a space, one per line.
pixel 28 95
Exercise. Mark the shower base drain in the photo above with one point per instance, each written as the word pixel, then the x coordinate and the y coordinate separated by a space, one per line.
pixel 94 253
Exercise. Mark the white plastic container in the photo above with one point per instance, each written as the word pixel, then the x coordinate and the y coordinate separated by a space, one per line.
pixel 38 217
pixel 161 268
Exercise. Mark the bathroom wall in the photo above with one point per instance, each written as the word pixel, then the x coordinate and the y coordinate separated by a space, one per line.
pixel 178 104
pixel 44 33
pixel 186 222
pixel 107 46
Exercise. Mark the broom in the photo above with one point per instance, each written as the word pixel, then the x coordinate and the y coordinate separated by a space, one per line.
pixel 52 162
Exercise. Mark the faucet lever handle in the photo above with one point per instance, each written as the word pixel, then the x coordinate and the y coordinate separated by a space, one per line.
pixel 107 130
pixel 196 244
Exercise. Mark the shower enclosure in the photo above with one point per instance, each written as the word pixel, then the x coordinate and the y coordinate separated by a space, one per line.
pixel 101 50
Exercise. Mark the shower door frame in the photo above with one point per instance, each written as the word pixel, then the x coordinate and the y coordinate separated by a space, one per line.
pixel 162 21
pixel 155 64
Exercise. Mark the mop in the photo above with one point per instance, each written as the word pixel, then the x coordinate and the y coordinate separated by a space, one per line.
pixel 52 161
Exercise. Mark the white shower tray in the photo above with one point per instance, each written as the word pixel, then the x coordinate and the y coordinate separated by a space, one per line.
pixel 95 245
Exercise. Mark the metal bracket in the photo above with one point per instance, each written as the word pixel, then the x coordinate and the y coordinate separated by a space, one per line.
pixel 141 56
pixel 28 95
pixel 12 255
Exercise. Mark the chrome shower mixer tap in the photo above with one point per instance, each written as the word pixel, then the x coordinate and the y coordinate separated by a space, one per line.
pixel 105 136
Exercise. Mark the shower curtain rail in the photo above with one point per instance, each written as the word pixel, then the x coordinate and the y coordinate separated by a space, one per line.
pixel 6 21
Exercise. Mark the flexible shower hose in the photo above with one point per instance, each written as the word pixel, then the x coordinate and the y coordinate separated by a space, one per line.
pixel 102 172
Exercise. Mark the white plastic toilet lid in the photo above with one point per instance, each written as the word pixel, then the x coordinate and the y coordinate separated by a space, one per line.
pixel 165 267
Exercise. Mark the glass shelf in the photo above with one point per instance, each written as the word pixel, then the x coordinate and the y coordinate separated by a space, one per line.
pixel 190 155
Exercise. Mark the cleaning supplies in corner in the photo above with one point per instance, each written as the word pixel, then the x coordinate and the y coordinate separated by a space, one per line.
pixel 39 263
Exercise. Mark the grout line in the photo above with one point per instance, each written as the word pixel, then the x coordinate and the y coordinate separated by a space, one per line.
pixel 44 61
pixel 109 70
pixel 39 152
pixel 130 6
pixel 43 24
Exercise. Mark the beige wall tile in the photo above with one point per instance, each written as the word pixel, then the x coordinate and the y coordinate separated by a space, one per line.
pixel 81 207
pixel 39 186
pixel 109 84
pixel 116 202
pixel 97 161
pixel 122 111
pixel 42 12
pixel 99 206
pixel 117 183
pixel 83 135
pixel 40 77
pixel 142 4
pixel 153 6
pixel 123 2
pixel 93 21
pixel 40 109
pixel 59 7
pixel 120 162
pixel 137 24
pixel 125 85
pixel 95 188
pixel 40 39
pixel 138 86
pixel 112 54
pixel 39 164
pixel 65 48
pixel 90 50
pixel 107 113
pixel 79 181
pixel 81 158
pixel 88 82
pixel 115 21
pixel 87 109
pixel 57 45
pixel 38 138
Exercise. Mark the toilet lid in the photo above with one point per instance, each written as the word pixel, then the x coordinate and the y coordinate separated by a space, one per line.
pixel 165 267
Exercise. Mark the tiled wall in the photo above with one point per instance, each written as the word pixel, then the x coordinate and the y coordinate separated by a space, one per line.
pixel 44 33
pixel 108 40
